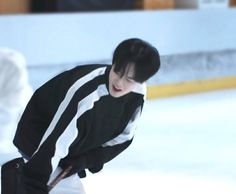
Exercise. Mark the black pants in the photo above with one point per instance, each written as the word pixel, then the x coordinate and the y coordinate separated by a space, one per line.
pixel 13 180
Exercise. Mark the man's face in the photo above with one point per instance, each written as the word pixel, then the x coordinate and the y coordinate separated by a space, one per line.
pixel 121 85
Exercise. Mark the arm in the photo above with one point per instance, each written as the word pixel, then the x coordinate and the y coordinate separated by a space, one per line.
pixel 94 159
pixel 39 113
pixel 61 130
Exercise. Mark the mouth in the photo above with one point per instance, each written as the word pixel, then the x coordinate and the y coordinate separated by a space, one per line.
pixel 116 89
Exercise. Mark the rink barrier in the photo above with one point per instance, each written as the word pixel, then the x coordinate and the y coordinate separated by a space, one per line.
pixel 78 37
pixel 189 87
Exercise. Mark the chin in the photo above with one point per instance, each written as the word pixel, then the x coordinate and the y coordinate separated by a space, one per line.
pixel 116 95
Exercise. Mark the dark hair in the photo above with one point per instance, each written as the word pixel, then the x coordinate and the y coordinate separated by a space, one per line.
pixel 141 54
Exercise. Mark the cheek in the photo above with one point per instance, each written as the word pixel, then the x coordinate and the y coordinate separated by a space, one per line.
pixel 129 87
pixel 113 78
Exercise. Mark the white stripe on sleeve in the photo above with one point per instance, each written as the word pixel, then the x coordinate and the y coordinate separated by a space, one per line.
pixel 69 135
pixel 128 133
pixel 67 99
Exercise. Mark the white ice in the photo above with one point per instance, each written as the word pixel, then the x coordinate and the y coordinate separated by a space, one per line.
pixel 183 145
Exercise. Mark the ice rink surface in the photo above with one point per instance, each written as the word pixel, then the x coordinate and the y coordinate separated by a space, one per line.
pixel 183 145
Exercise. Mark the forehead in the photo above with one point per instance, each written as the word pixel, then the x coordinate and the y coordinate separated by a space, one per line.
pixel 130 70
pixel 125 69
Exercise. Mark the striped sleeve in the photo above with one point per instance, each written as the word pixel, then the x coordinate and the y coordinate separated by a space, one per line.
pixel 62 130
pixel 128 132
pixel 97 157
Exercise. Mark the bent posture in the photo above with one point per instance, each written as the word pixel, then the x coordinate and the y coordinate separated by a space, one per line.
pixel 84 117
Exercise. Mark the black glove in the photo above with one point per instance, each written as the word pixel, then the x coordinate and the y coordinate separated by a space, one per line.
pixel 78 165
pixel 92 160
pixel 82 174
pixel 96 169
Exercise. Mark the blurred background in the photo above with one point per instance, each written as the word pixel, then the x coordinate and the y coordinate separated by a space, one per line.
pixel 185 142
pixel 52 6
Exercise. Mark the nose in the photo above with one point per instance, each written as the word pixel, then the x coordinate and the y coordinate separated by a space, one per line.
pixel 119 82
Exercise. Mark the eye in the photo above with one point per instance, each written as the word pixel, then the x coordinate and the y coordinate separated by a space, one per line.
pixel 119 74
pixel 130 80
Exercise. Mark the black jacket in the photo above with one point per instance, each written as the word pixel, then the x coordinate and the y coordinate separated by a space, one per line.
pixel 72 116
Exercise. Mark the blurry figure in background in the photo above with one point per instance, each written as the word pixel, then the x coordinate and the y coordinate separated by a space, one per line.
pixel 15 92
pixel 81 119
pixel 39 6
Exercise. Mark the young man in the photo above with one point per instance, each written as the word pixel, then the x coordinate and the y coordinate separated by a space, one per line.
pixel 84 117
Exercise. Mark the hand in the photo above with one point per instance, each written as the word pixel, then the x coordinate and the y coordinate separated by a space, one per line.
pixel 78 165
